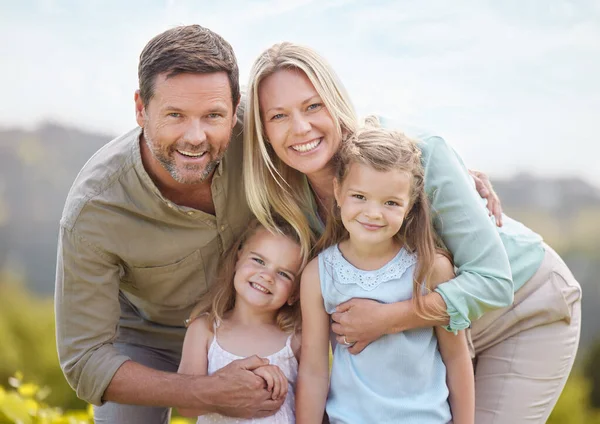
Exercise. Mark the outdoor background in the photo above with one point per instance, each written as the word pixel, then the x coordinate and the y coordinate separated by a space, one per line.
pixel 512 85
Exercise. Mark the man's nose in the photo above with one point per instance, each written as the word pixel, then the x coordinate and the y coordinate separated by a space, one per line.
pixel 195 133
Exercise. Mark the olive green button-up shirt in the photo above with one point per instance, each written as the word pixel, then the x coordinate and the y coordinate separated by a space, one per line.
pixel 131 263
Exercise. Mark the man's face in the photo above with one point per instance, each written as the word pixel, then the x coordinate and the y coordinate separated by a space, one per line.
pixel 187 125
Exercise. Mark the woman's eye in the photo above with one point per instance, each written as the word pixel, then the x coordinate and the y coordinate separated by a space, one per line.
pixel 258 260
pixel 277 116
pixel 315 106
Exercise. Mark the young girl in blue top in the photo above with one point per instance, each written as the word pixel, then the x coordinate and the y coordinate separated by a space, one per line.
pixel 380 245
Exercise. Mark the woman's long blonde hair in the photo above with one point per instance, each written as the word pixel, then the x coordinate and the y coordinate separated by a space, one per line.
pixel 271 186
pixel 221 297
pixel 386 150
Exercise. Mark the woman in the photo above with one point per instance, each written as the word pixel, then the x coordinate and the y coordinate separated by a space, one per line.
pixel 297 116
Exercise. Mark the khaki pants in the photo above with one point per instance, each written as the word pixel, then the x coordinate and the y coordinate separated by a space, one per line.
pixel 116 413
pixel 524 353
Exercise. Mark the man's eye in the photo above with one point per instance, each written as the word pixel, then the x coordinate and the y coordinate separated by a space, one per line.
pixel 214 115
pixel 175 115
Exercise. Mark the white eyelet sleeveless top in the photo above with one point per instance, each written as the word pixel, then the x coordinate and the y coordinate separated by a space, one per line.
pixel 284 359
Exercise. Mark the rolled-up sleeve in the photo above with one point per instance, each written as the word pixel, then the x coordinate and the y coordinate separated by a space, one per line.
pixel 483 279
pixel 87 315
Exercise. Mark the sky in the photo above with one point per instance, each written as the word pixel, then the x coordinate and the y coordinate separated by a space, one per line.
pixel 513 85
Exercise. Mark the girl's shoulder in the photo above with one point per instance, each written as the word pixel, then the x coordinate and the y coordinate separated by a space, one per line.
pixel 201 326
pixel 443 270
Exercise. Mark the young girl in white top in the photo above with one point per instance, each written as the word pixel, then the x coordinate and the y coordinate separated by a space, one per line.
pixel 380 245
pixel 251 310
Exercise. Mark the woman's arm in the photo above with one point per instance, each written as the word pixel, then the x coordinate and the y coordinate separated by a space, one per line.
pixel 313 375
pixel 456 357
pixel 483 281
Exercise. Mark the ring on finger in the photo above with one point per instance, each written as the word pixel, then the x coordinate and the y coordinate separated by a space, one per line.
pixel 347 343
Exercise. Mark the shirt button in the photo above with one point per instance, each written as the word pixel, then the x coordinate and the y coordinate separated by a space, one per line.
pixel 190 213
pixel 170 205
pixel 222 228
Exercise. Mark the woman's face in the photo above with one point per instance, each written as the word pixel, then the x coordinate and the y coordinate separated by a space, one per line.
pixel 296 121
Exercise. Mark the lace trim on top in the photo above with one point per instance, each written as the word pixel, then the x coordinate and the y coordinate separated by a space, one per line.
pixel 368 280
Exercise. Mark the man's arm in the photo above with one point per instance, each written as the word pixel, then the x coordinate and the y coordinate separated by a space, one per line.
pixel 87 316
pixel 233 390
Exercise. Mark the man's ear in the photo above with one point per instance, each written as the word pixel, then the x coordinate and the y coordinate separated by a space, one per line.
pixel 140 110
pixel 236 109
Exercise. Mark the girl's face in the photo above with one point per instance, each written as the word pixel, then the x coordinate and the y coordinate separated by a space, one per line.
pixel 297 124
pixel 266 270
pixel 373 203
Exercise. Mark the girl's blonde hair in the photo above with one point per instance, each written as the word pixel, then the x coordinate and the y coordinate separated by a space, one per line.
pixel 221 297
pixel 386 150
pixel 271 186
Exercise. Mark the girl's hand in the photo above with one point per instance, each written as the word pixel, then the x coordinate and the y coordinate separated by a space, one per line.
pixel 276 381
pixel 360 321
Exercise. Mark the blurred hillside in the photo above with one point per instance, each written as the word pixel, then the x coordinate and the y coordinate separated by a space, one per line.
pixel 37 168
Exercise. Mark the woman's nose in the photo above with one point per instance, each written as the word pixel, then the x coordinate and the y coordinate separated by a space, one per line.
pixel 301 124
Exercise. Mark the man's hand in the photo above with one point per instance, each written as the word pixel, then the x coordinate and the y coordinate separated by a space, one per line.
pixel 276 381
pixel 238 392
pixel 360 321
pixel 486 191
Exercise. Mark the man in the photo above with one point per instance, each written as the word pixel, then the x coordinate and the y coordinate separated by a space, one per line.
pixel 140 237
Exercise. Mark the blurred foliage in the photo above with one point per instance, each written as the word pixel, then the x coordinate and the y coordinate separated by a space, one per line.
pixel 25 403
pixel 573 406
pixel 592 372
pixel 28 341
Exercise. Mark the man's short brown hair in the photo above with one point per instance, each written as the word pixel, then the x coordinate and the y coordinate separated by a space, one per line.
pixel 187 49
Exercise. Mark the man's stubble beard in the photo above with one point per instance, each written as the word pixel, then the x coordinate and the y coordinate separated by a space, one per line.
pixel 169 164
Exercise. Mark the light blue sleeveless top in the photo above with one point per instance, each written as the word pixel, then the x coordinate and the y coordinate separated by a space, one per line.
pixel 399 378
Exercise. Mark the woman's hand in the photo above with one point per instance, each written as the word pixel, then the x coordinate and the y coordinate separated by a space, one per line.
pixel 359 322
pixel 486 191
pixel 276 381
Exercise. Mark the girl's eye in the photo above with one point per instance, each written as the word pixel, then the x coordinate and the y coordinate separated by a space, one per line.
pixel 258 260
pixel 391 203
pixel 359 196
pixel 285 275
pixel 315 106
